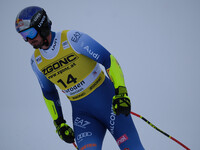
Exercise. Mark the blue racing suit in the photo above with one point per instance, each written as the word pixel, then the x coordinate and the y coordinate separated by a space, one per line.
pixel 72 63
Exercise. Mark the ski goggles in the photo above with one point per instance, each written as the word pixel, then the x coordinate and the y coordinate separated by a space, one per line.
pixel 30 33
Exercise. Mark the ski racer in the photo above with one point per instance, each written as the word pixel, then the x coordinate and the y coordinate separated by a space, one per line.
pixel 71 60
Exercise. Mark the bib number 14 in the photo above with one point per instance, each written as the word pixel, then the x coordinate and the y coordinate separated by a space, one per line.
pixel 70 79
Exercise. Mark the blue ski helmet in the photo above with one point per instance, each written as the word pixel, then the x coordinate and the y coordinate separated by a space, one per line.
pixel 36 17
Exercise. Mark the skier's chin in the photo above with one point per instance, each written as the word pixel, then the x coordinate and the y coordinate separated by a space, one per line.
pixel 37 46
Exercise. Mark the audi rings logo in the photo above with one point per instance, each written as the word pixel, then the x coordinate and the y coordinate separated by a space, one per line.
pixel 83 135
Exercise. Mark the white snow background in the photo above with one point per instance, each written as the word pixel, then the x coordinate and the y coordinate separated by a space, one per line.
pixel 157 43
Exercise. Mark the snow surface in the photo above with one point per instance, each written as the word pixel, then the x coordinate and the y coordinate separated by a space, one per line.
pixel 157 43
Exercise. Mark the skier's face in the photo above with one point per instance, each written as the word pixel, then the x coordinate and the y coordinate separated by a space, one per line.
pixel 37 42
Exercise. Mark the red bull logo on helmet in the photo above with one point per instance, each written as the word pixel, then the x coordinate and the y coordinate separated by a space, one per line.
pixel 19 23
pixel 22 24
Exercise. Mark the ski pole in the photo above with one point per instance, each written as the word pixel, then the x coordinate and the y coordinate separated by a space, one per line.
pixel 75 145
pixel 139 116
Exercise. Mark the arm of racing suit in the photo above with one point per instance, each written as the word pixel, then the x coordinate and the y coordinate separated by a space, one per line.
pixel 87 46
pixel 50 93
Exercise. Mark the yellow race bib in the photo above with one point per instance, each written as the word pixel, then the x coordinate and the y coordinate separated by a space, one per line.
pixel 75 74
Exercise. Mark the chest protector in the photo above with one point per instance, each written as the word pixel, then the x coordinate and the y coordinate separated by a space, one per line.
pixel 75 74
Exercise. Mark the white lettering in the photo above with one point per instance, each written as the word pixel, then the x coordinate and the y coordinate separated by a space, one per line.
pixel 122 139
pixel 37 16
pixel 95 55
pixel 112 121
pixel 42 21
pixel 81 123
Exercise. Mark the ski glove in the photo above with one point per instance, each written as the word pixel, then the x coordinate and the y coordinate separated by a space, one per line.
pixel 64 131
pixel 121 101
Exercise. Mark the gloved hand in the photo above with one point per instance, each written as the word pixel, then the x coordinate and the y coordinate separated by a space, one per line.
pixel 64 131
pixel 121 101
